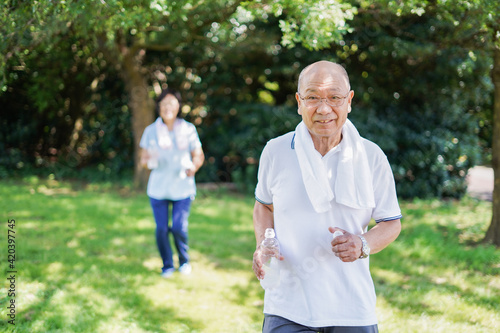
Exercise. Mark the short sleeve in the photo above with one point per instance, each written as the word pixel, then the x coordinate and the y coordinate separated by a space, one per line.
pixel 263 192
pixel 193 138
pixel 386 201
pixel 145 137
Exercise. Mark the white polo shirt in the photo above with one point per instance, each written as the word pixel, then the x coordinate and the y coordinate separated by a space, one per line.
pixel 169 180
pixel 317 289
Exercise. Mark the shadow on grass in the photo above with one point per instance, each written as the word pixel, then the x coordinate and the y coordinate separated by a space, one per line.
pixel 222 229
pixel 434 266
pixel 88 262
pixel 86 254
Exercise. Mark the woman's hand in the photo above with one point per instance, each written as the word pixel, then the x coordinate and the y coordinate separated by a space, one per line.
pixel 144 158
pixel 191 171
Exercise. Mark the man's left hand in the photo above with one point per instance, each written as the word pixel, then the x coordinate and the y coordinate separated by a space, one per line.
pixel 347 247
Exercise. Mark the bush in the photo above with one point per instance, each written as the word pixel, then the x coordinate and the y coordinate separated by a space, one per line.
pixel 233 139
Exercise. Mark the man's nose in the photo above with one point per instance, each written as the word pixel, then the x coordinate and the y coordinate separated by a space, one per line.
pixel 324 108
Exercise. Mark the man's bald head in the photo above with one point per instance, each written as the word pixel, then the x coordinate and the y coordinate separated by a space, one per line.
pixel 322 67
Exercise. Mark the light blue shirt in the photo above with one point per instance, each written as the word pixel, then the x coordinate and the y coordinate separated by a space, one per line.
pixel 169 179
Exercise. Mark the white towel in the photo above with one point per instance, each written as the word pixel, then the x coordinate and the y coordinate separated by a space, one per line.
pixel 353 184
pixel 313 170
pixel 181 130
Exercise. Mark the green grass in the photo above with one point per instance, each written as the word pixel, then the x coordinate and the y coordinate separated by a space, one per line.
pixel 87 262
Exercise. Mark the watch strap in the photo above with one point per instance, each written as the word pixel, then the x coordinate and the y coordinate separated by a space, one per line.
pixel 365 249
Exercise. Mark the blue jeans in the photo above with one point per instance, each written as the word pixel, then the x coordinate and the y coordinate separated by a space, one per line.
pixel 179 229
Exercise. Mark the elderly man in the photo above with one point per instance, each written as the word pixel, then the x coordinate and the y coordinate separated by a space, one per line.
pixel 312 182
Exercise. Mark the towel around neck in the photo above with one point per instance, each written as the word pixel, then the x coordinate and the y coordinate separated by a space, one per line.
pixel 353 184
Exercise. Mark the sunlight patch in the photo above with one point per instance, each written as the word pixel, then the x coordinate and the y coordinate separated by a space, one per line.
pixel 118 241
pixel 113 326
pixel 389 276
pixel 144 224
pixel 152 264
pixel 85 232
pixel 73 243
pixel 209 211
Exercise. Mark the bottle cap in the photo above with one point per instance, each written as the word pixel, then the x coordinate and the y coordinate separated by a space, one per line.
pixel 269 233
pixel 337 233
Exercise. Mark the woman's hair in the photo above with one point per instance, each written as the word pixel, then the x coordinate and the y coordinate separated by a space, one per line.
pixel 164 93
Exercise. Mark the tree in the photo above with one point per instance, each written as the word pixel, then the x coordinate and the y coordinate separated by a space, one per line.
pixel 477 27
pixel 414 97
pixel 96 38
pixel 493 233
pixel 122 32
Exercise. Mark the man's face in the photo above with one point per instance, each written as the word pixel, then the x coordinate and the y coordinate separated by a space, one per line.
pixel 326 81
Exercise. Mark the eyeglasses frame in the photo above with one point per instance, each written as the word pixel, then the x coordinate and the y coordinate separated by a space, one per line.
pixel 326 100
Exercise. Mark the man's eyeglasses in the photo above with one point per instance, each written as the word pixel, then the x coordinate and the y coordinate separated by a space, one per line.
pixel 313 101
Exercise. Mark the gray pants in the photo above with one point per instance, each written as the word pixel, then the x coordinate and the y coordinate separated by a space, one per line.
pixel 275 324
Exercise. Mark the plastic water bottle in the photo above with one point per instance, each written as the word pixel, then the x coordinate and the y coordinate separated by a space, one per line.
pixel 152 155
pixel 186 164
pixel 270 249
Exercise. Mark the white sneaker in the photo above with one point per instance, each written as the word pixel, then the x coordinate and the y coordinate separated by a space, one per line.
pixel 185 269
pixel 168 273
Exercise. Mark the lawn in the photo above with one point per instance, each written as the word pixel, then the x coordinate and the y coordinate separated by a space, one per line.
pixel 86 261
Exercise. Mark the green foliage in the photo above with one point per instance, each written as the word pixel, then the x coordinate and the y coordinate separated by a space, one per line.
pixel 235 135
pixel 88 262
pixel 418 101
pixel 310 22
pixel 423 101
pixel 238 103
pixel 76 127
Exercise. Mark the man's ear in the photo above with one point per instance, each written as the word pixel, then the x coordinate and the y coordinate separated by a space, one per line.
pixel 350 101
pixel 298 103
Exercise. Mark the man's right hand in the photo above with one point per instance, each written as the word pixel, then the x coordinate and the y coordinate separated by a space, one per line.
pixel 259 258
pixel 257 264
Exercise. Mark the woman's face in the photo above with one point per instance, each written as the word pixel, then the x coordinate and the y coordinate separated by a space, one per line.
pixel 169 108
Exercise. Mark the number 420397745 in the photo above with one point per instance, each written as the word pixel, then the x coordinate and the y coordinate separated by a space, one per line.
pixel 11 240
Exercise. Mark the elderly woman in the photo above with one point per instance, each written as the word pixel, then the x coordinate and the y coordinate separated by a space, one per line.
pixel 172 150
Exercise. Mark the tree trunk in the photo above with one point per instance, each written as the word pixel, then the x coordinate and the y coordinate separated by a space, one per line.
pixel 493 233
pixel 141 106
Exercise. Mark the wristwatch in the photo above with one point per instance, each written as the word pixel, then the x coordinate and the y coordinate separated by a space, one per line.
pixel 365 249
